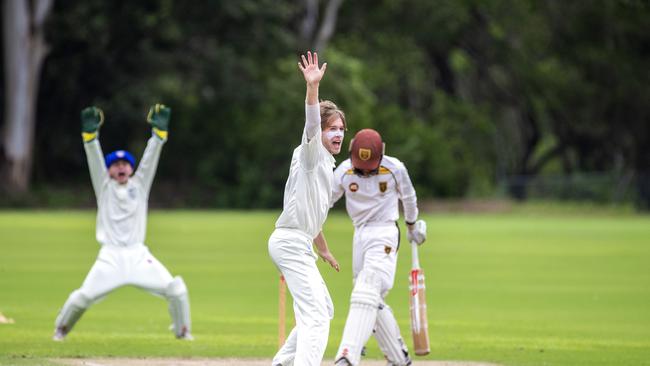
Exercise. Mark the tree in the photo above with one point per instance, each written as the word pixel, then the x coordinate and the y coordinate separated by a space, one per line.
pixel 317 39
pixel 24 51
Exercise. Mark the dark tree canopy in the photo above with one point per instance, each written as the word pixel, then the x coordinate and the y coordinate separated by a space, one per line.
pixel 474 96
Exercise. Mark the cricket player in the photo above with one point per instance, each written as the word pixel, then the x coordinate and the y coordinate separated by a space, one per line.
pixel 307 198
pixel 122 199
pixel 373 183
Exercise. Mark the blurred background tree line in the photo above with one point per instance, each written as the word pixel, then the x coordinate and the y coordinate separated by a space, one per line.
pixel 480 98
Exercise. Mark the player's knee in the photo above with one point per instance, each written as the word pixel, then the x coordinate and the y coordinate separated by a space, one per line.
pixel 367 288
pixel 176 288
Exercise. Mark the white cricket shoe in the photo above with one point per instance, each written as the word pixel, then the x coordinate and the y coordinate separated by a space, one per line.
pixel 342 362
pixel 186 337
pixel 59 334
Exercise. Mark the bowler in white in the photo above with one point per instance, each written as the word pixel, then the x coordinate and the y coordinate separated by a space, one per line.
pixel 307 198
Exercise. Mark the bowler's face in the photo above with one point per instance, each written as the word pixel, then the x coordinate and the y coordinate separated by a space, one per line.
pixel 120 170
pixel 332 135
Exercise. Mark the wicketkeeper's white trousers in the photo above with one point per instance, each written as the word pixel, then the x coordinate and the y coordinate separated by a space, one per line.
pixel 120 266
pixel 291 251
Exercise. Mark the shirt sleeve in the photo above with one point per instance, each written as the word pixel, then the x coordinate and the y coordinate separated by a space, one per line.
pixel 96 165
pixel 311 137
pixel 338 190
pixel 407 195
pixel 149 163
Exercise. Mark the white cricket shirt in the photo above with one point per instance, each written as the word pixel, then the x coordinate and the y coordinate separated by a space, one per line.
pixel 374 199
pixel 122 208
pixel 308 191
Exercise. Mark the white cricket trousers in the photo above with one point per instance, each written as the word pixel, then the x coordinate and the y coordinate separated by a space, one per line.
pixel 291 251
pixel 120 266
pixel 375 248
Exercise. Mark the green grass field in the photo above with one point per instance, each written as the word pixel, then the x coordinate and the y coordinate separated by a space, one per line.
pixel 515 289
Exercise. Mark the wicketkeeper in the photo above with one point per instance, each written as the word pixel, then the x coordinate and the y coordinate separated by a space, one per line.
pixel 122 200
pixel 307 197
pixel 373 183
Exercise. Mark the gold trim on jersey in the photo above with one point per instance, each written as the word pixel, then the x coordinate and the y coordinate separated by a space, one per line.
pixel 384 170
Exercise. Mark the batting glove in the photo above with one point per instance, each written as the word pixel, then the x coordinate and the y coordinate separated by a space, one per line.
pixel 92 119
pixel 418 234
pixel 158 117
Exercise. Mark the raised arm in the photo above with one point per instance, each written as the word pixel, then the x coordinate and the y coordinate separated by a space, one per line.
pixel 313 75
pixel 92 119
pixel 158 117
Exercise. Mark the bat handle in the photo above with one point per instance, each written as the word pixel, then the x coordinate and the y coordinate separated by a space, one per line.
pixel 415 258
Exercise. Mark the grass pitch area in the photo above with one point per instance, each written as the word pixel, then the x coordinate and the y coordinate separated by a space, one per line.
pixel 513 289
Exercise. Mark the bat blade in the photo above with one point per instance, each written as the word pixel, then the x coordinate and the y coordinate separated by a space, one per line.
pixel 418 309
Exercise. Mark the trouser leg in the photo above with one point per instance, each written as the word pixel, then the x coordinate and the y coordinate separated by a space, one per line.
pixel 312 304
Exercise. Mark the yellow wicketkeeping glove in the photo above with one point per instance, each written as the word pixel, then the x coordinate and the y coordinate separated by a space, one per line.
pixel 92 119
pixel 158 117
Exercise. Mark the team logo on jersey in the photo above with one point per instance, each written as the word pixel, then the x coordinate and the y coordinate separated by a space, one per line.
pixel 132 193
pixel 365 154
pixel 353 187
pixel 387 249
pixel 383 186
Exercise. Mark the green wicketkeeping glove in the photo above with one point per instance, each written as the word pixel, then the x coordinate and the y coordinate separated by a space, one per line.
pixel 91 120
pixel 158 117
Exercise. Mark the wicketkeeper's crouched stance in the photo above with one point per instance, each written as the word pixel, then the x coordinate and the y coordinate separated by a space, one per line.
pixel 122 202
pixel 373 183
pixel 307 197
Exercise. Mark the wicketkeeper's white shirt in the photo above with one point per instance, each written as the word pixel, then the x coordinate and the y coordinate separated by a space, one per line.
pixel 374 199
pixel 122 209
pixel 308 191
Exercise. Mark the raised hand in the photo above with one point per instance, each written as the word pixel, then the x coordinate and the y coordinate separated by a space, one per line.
pixel 158 116
pixel 310 70
pixel 92 119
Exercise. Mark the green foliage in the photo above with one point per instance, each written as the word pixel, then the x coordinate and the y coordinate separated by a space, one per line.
pixel 532 287
pixel 466 93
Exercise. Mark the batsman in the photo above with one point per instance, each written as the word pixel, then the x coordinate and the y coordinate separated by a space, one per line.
pixel 373 184
pixel 122 200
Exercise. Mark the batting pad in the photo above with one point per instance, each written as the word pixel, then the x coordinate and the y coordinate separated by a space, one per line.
pixel 389 338
pixel 364 302
pixel 72 310
pixel 179 306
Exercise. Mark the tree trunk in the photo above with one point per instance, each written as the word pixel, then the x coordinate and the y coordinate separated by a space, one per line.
pixel 24 50
pixel 308 25
pixel 328 25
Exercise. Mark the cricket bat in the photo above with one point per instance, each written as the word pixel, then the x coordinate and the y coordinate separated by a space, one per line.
pixel 282 319
pixel 418 305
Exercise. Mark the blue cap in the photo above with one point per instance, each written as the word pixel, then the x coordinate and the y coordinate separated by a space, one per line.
pixel 119 155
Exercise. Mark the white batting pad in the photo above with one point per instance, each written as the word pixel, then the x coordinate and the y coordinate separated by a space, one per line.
pixel 179 307
pixel 364 303
pixel 389 338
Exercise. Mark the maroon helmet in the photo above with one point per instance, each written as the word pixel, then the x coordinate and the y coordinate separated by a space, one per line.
pixel 366 150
